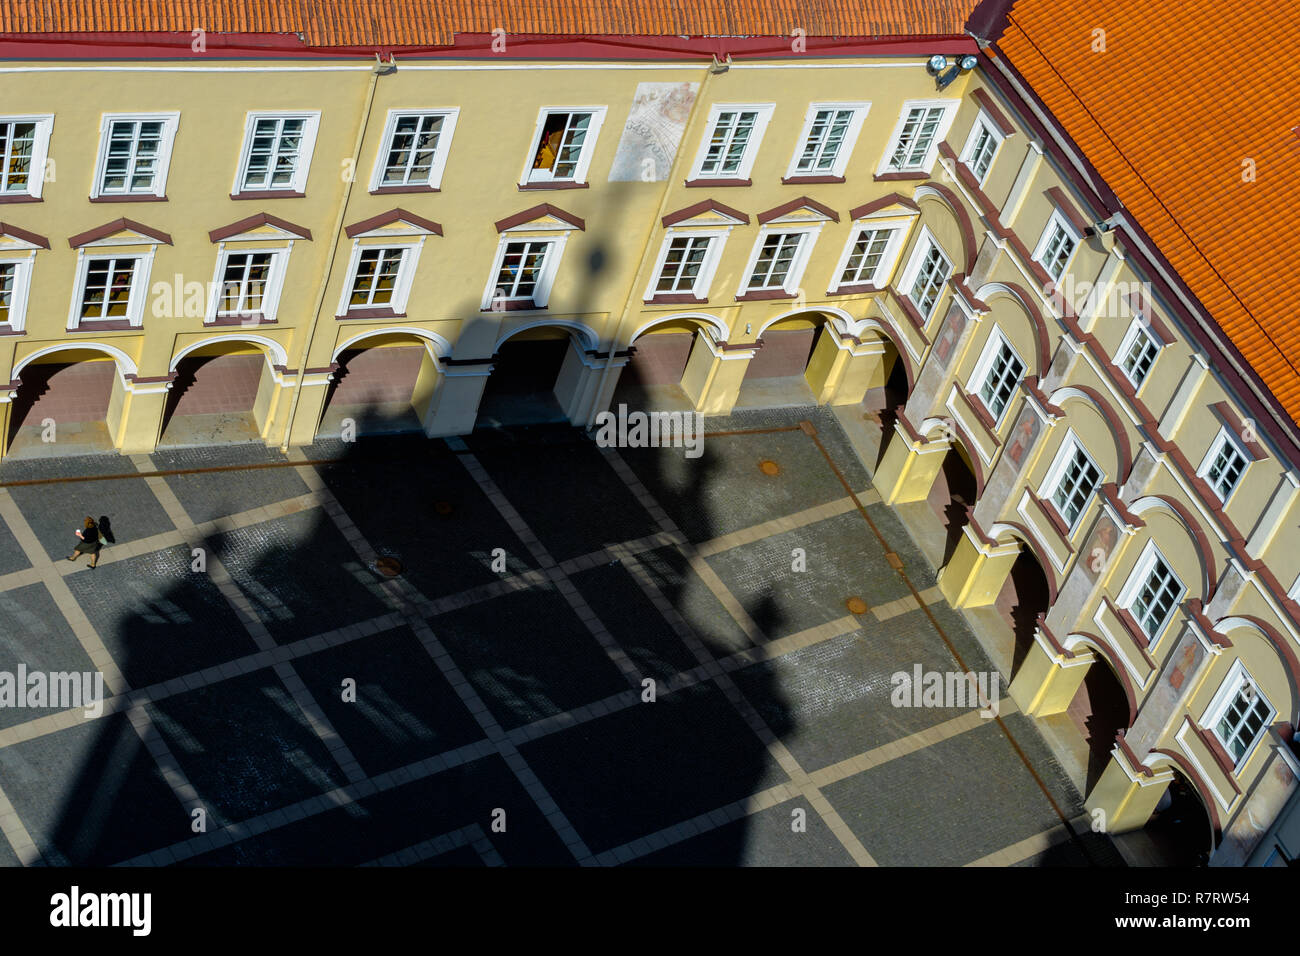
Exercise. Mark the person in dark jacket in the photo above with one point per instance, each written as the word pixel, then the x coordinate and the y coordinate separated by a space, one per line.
pixel 89 543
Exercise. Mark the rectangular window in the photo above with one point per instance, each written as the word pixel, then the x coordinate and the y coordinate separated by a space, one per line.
pixel 277 152
pixel 376 278
pixel 775 260
pixel 1241 715
pixel 981 148
pixel 17 151
pixel 1224 465
pixel 1000 380
pixel 563 147
pixel 411 150
pixel 1154 601
pixel 1074 485
pixel 913 144
pixel 522 269
pixel 8 288
pixel 683 264
pixel 1138 353
pixel 1056 246
pixel 866 256
pixel 929 280
pixel 106 293
pixel 244 283
pixel 824 142
pixel 731 134
pixel 132 157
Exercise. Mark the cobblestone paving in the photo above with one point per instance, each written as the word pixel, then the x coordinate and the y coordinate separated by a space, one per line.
pixel 591 656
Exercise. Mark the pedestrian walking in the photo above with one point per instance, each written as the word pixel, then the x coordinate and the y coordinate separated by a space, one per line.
pixel 90 542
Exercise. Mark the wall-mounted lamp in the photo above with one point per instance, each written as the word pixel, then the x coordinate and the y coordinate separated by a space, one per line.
pixel 944 74
pixel 1103 226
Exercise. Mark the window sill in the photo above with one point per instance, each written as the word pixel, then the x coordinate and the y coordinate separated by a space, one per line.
pixel 93 325
pixel 126 197
pixel 268 194
pixel 797 180
pixel 1054 517
pixel 513 305
pixel 765 294
pixel 391 190
pixel 370 314
pixel 860 288
pixel 675 298
pixel 561 184
pixel 707 183
pixel 916 175
pixel 247 320
pixel 22 197
pixel 7 329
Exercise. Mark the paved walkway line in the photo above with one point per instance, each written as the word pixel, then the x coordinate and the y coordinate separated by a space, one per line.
pixel 497 738
pixel 81 627
pixel 240 604
pixel 775 746
pixel 16 834
pixel 1032 846
pixel 765 529
pixel 471 835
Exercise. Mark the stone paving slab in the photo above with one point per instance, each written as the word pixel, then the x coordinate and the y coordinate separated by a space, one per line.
pixel 402 709
pixel 158 618
pixel 91 795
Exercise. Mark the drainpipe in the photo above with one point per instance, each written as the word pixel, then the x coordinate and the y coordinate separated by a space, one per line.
pixel 380 68
pixel 683 148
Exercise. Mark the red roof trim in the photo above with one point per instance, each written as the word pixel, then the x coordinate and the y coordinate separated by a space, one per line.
pixel 704 205
pixel 537 212
pixel 7 230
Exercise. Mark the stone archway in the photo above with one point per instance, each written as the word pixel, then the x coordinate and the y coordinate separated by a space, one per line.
pixel 536 375
pixel 223 392
pixel 384 383
pixel 69 402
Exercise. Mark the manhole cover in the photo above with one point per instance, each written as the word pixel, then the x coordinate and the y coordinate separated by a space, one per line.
pixel 388 567
pixel 769 467
pixel 442 507
pixel 856 605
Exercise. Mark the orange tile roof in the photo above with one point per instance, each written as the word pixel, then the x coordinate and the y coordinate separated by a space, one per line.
pixel 1180 98
pixel 435 22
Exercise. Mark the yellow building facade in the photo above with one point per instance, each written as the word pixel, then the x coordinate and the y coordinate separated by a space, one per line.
pixel 257 237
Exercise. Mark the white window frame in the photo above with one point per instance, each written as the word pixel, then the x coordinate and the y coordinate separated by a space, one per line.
pixel 841 161
pixel 1137 581
pixel 932 152
pixel 170 123
pixel 924 240
pixel 898 229
pixel 545 281
pixel 40 152
pixel 982 122
pixel 534 177
pixel 1057 219
pixel 984 368
pixel 1294 593
pixel 139 285
pixel 274 283
pixel 1136 328
pixel 410 248
pixel 1224 437
pixel 1237 677
pixel 309 130
pixel 449 117
pixel 807 239
pixel 1051 482
pixel 22 287
pixel 761 121
pixel 708 268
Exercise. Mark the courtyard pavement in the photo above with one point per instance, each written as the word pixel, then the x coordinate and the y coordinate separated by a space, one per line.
pixel 591 656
